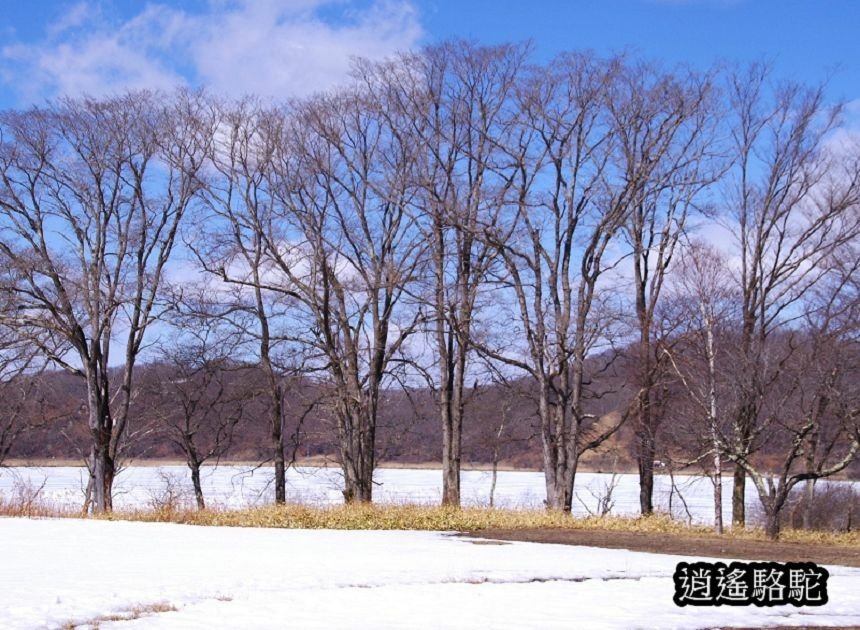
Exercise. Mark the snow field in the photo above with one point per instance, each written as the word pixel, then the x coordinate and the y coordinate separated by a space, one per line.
pixel 56 572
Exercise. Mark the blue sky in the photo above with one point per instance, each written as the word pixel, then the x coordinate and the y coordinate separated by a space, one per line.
pixel 281 48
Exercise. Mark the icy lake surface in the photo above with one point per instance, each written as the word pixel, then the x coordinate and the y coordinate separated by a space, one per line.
pixel 689 497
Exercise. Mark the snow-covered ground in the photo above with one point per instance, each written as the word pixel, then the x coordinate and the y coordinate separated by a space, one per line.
pixel 237 486
pixel 59 572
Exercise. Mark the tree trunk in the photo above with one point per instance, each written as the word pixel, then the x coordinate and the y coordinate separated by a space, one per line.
pixel 277 439
pixel 647 452
pixel 559 483
pixel 198 488
pixel 718 500
pixel 452 348
pixel 738 495
pixel 358 488
pixel 718 490
pixel 645 437
pixel 560 454
pixel 773 504
pixel 496 448
pixel 710 350
pixel 452 444
pixel 772 525
pixel 102 466
pixel 493 479
pixel 358 457
pixel 809 486
pixel 450 468
pixel 278 455
pixel 560 492
pixel 103 470
pixel 278 451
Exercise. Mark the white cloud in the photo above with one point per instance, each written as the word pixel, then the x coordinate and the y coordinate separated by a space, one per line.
pixel 76 16
pixel 95 67
pixel 273 48
pixel 269 50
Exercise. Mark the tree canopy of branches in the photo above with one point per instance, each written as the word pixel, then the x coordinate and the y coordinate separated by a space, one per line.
pixel 454 215
pixel 665 151
pixel 91 196
pixel 792 203
pixel 200 389
pixel 466 109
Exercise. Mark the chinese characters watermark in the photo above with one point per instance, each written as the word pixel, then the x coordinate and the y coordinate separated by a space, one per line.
pixel 745 583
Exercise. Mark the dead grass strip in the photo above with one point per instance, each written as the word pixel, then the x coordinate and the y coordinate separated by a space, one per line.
pixel 424 517
pixel 126 614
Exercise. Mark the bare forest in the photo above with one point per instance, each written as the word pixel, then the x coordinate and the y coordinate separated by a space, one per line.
pixel 460 257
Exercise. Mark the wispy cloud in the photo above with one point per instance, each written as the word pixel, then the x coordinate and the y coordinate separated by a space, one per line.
pixel 273 48
pixel 75 16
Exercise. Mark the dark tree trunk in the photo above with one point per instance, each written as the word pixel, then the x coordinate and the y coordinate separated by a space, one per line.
pixel 773 505
pixel 647 452
pixel 102 467
pixel 561 457
pixel 102 474
pixel 738 496
pixel 645 431
pixel 645 421
pixel 560 489
pixel 198 488
pixel 358 456
pixel 275 392
pixel 772 526
pixel 278 448
pixel 451 461
pixel 278 455
pixel 452 428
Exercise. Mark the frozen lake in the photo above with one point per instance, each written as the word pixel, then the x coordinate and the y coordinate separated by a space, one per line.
pixel 691 498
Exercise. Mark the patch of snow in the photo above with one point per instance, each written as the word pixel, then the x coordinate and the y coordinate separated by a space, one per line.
pixel 59 571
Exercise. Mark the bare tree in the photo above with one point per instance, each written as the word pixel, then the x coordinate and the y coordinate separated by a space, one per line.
pixel 199 390
pixel 564 212
pixel 231 245
pixel 457 102
pixel 471 92
pixel 810 416
pixel 708 303
pixel 791 204
pixel 21 368
pixel 91 196
pixel 835 311
pixel 664 152
pixel 344 243
pixel 505 431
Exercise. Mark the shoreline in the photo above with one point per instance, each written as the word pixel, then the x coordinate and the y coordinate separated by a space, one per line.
pixel 317 462
pixel 311 463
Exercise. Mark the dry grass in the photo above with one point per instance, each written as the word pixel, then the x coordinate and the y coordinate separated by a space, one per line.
pixel 434 518
pixel 399 517
pixel 128 614
pixel 26 501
